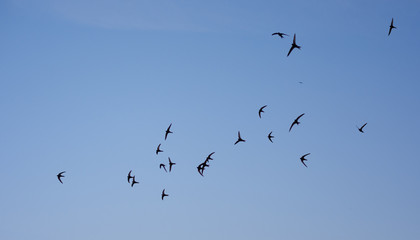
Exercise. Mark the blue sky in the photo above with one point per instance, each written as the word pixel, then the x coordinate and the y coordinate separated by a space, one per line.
pixel 89 87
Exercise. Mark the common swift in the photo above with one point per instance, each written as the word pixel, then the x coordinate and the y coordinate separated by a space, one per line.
pixel 163 165
pixel 296 121
pixel 170 164
pixel 60 175
pixel 391 26
pixel 209 156
pixel 134 181
pixel 294 45
pixel 129 176
pixel 163 194
pixel 168 131
pixel 239 138
pixel 158 149
pixel 280 34
pixel 261 110
pixel 361 129
pixel 304 159
pixel 270 136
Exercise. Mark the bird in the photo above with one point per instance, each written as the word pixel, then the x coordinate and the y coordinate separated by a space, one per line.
pixel 134 181
pixel 200 170
pixel 60 175
pixel 261 110
pixel 280 34
pixel 158 149
pixel 209 156
pixel 170 164
pixel 304 159
pixel 294 45
pixel 391 26
pixel 239 138
pixel 296 121
pixel 129 176
pixel 270 136
pixel 163 194
pixel 168 131
pixel 163 165
pixel 361 129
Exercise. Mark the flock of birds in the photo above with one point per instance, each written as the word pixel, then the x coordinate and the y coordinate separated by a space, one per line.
pixel 202 166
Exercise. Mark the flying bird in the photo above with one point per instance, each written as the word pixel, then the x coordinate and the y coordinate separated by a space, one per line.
pixel 304 159
pixel 270 136
pixel 129 176
pixel 163 165
pixel 134 181
pixel 391 26
pixel 209 157
pixel 158 149
pixel 261 110
pixel 294 45
pixel 60 175
pixel 296 121
pixel 170 164
pixel 200 170
pixel 361 129
pixel 239 138
pixel 168 131
pixel 163 194
pixel 280 34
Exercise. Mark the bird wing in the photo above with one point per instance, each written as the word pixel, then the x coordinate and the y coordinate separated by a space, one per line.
pixel 306 155
pixel 291 49
pixel 299 116
pixel 390 29
pixel 303 163
pixel 274 34
pixel 294 39
pixel 363 126
pixel 59 178
pixel 294 122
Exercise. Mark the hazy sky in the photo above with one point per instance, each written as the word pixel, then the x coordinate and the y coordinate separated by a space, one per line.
pixel 89 87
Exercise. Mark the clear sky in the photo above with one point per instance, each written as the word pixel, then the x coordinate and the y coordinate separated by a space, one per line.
pixel 89 87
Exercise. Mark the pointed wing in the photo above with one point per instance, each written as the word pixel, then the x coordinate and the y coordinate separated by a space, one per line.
pixel 291 49
pixel 363 126
pixel 304 163
pixel 297 119
pixel 306 155
pixel 294 122
pixel 294 39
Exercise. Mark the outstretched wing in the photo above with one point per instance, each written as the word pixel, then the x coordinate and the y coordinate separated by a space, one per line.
pixel 297 119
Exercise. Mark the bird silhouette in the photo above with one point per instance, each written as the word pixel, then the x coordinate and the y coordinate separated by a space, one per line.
pixel 170 164
pixel 239 138
pixel 209 156
pixel 280 34
pixel 158 149
pixel 296 121
pixel 270 136
pixel 261 110
pixel 134 181
pixel 200 170
pixel 168 131
pixel 163 194
pixel 129 176
pixel 304 159
pixel 60 175
pixel 294 45
pixel 163 166
pixel 391 26
pixel 361 128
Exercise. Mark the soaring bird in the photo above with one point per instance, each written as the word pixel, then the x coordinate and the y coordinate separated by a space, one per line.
pixel 304 159
pixel 239 138
pixel 134 181
pixel 163 166
pixel 280 34
pixel 361 129
pixel 296 121
pixel 168 131
pixel 163 194
pixel 209 157
pixel 129 176
pixel 60 175
pixel 170 164
pixel 270 136
pixel 294 45
pixel 391 26
pixel 158 149
pixel 261 110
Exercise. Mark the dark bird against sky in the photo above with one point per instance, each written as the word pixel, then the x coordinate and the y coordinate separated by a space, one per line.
pixel 129 176
pixel 209 156
pixel 280 34
pixel 60 175
pixel 294 45
pixel 391 26
pixel 304 159
pixel 270 136
pixel 261 110
pixel 158 149
pixel 361 128
pixel 239 138
pixel 296 121
pixel 162 166
pixel 170 164
pixel 168 131
pixel 163 194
